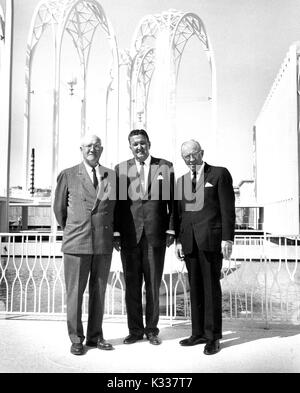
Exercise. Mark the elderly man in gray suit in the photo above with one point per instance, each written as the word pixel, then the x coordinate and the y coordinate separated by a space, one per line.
pixel 84 208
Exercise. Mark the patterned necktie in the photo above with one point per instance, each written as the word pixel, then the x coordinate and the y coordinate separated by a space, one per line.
pixel 95 180
pixel 194 181
pixel 142 178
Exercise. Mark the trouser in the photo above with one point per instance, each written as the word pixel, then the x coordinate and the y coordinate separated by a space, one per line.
pixel 78 268
pixel 142 262
pixel 204 272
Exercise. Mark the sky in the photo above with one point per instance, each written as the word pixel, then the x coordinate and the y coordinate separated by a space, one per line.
pixel 250 39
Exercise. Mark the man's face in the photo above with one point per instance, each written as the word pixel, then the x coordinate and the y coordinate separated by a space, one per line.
pixel 139 146
pixel 91 150
pixel 192 156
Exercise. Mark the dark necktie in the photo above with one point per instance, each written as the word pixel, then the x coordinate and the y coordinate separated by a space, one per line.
pixel 142 178
pixel 194 181
pixel 95 180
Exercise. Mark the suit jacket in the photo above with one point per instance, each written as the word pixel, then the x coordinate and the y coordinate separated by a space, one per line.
pixel 214 218
pixel 85 215
pixel 154 212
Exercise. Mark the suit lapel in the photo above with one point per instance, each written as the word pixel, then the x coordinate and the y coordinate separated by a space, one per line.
pixel 206 171
pixel 193 202
pixel 154 165
pixel 86 180
pixel 132 169
pixel 104 188
pixel 133 172
pixel 202 180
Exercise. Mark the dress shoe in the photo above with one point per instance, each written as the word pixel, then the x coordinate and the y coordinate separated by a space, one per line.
pixel 77 349
pixel 212 347
pixel 153 339
pixel 132 338
pixel 193 340
pixel 102 344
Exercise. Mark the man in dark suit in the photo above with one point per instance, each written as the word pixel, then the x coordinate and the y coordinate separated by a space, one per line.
pixel 204 235
pixel 84 208
pixel 144 220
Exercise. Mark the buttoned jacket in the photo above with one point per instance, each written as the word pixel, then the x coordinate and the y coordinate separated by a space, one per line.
pixel 154 211
pixel 84 213
pixel 208 216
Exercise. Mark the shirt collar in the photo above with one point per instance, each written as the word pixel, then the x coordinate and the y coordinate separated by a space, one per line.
pixel 200 169
pixel 147 161
pixel 89 168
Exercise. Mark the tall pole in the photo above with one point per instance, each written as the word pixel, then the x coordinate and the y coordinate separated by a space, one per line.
pixel 55 131
pixel 32 164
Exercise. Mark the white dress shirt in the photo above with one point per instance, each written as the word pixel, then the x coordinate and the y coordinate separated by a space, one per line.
pixel 225 243
pixel 199 171
pixel 146 172
pixel 146 169
pixel 90 171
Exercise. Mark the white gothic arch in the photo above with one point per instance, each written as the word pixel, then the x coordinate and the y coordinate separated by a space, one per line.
pixel 175 28
pixel 80 19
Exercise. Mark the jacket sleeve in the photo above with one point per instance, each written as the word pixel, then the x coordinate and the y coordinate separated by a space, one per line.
pixel 227 205
pixel 117 206
pixel 177 206
pixel 60 205
pixel 171 202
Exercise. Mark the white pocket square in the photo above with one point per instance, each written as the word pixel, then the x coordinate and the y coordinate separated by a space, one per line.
pixel 159 177
pixel 208 184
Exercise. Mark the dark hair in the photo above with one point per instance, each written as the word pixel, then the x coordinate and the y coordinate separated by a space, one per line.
pixel 138 132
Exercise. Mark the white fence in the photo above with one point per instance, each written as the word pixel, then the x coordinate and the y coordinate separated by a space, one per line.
pixel 260 282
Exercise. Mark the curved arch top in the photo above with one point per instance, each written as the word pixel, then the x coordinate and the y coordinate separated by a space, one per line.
pixel 146 30
pixel 80 19
pixel 172 30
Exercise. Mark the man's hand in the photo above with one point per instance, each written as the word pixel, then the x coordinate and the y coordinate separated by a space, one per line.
pixel 117 243
pixel 170 239
pixel 179 252
pixel 226 248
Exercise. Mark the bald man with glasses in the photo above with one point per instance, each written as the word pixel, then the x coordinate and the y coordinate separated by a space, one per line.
pixel 84 208
pixel 204 235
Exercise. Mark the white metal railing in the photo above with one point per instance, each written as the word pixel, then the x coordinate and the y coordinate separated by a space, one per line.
pixel 260 282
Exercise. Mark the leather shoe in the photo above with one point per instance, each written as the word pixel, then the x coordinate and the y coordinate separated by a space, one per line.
pixel 153 339
pixel 77 349
pixel 212 347
pixel 132 338
pixel 102 344
pixel 193 340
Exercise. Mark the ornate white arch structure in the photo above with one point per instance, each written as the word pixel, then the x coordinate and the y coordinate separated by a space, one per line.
pixel 80 19
pixel 161 39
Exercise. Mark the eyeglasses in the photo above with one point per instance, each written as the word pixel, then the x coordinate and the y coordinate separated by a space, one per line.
pixel 96 146
pixel 194 156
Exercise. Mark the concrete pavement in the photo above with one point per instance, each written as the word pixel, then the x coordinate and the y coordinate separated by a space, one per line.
pixel 29 345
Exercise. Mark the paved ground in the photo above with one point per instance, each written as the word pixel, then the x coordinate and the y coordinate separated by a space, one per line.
pixel 42 346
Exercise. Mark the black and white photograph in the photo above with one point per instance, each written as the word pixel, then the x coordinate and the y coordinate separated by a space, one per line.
pixel 149 189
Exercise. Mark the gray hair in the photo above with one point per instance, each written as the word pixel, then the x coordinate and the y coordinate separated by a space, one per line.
pixel 190 143
pixel 86 138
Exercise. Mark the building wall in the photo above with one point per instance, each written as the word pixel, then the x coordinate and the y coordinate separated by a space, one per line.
pixel 277 151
